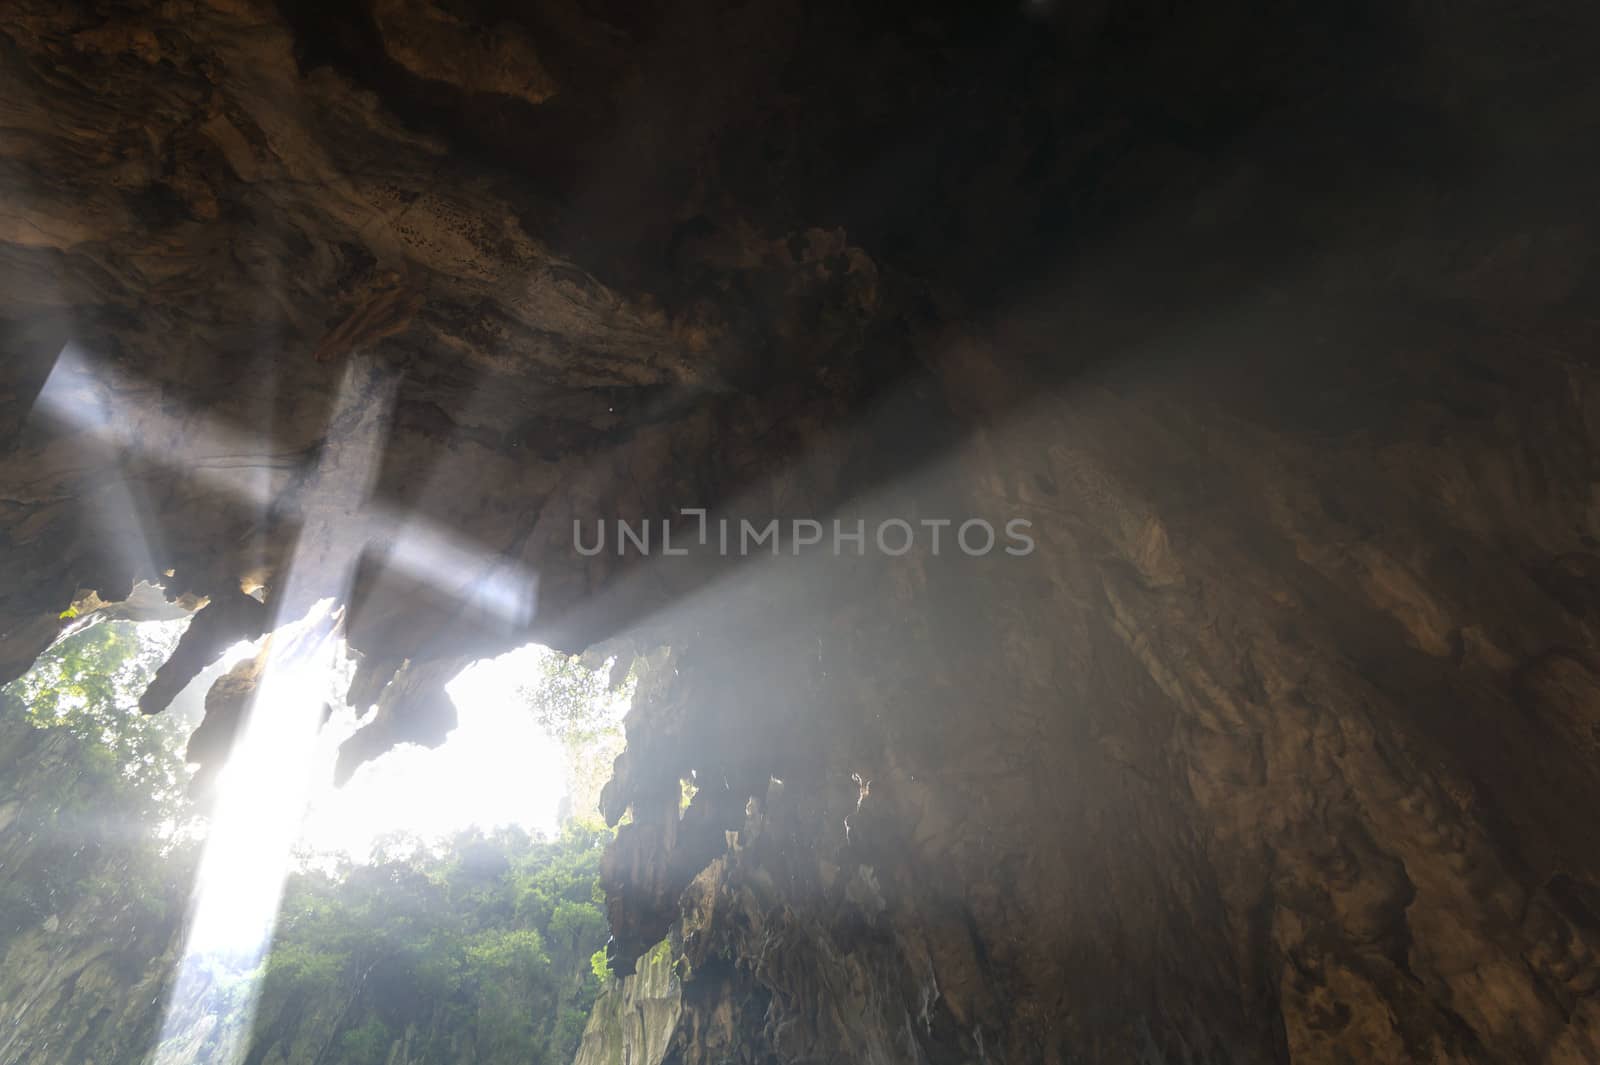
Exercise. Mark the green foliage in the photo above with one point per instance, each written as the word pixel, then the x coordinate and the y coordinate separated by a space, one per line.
pixel 366 1045
pixel 500 953
pixel 579 707
pixel 570 701
pixel 481 951
pixel 101 785
pixel 481 948
pixel 569 1030
pixel 575 923
pixel 88 685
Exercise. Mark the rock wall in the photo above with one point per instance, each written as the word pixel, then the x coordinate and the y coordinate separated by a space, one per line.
pixel 1213 787
pixel 635 1019
pixel 1277 325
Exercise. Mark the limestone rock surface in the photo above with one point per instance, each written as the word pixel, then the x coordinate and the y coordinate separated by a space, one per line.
pixel 1277 324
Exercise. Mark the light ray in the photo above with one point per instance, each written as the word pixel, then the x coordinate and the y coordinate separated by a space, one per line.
pixel 267 781
pixel 93 398
pixel 89 396
pixel 430 553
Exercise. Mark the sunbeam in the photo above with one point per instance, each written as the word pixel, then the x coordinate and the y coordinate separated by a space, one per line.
pixel 80 393
pixel 257 815
pixel 272 769
pixel 90 396
pixel 265 785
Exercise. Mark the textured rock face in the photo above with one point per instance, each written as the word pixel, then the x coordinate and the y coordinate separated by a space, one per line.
pixel 635 1020
pixel 1277 327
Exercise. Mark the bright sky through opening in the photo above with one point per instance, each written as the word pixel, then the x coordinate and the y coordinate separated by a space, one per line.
pixel 498 767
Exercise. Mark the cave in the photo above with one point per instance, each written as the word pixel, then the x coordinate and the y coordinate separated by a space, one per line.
pixel 1102 498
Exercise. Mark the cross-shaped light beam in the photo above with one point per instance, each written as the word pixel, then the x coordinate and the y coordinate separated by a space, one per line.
pixel 83 396
pixel 267 779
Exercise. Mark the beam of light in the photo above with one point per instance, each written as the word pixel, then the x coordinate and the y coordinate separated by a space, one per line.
pixel 261 795
pixel 498 767
pixel 256 819
pixel 91 397
pixel 188 707
pixel 264 788
pixel 434 555
pixel 266 785
pixel 74 396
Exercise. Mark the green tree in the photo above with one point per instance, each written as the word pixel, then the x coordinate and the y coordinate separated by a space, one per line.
pixel 579 707
pixel 88 685
pixel 480 949
pixel 100 789
pixel 571 701
pixel 476 951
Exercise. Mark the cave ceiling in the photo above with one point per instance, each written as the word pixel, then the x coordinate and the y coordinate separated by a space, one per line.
pixel 1276 322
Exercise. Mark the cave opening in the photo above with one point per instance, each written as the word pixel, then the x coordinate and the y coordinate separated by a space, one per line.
pixel 1103 558
pixel 508 795
pixel 534 736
